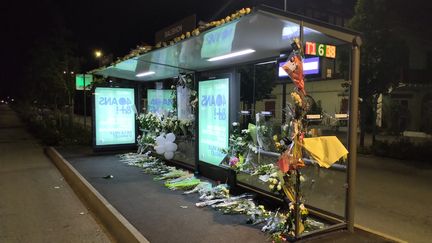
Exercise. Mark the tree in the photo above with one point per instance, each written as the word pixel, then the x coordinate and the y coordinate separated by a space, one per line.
pixel 48 69
pixel 383 55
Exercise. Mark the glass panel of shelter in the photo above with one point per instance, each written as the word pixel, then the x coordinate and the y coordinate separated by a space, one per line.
pixel 161 97
pixel 329 92
pixel 263 97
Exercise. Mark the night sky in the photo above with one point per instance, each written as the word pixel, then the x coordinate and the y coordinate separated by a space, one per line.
pixel 115 27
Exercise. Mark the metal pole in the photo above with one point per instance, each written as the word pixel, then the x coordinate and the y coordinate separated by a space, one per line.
pixel 196 113
pixel 297 186
pixel 283 102
pixel 352 142
pixel 253 90
pixel 297 205
pixel 85 111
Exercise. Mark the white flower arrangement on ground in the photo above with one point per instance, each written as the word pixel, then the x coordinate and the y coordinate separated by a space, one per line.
pixel 277 224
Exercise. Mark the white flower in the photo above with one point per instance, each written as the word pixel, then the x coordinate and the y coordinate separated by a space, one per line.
pixel 302 207
pixel 291 206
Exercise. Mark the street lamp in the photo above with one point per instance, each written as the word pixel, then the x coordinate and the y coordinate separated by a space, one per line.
pixel 98 53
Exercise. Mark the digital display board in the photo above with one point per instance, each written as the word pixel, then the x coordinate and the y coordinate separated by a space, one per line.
pixel 310 66
pixel 322 50
pixel 80 79
pixel 159 101
pixel 213 124
pixel 114 116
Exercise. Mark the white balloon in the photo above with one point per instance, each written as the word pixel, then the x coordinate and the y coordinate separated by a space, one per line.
pixel 170 137
pixel 159 149
pixel 170 147
pixel 160 140
pixel 169 155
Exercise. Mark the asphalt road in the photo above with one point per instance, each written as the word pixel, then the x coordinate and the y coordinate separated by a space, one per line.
pixel 36 204
pixel 392 196
pixel 395 197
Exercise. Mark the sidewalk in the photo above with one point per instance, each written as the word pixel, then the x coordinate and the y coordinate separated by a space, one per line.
pixel 163 215
pixel 36 204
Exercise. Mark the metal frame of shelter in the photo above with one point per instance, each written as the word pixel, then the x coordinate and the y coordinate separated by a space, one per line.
pixel 346 36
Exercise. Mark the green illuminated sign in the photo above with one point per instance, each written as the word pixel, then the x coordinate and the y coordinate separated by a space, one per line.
pixel 80 79
pixel 213 119
pixel 219 41
pixel 114 116
pixel 159 101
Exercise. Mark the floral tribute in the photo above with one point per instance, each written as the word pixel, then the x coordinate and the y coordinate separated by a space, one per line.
pixel 153 125
pixel 185 81
pixel 293 145
pixel 238 147
pixel 218 196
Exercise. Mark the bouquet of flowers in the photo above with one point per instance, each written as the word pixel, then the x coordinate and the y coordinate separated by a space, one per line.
pixel 175 173
pixel 264 131
pixel 185 184
pixel 171 124
pixel 150 122
pixel 238 147
pixel 186 127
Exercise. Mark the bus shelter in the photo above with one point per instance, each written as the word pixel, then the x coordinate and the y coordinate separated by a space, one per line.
pixel 233 78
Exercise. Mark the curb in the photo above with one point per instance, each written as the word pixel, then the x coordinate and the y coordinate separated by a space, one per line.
pixel 117 225
pixel 375 232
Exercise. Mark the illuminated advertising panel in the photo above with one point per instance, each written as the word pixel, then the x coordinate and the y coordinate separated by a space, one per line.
pixel 213 120
pixel 159 101
pixel 114 116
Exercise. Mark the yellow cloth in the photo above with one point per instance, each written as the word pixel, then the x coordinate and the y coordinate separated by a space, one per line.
pixel 326 150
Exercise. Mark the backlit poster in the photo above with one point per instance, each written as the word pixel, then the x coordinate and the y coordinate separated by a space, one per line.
pixel 213 119
pixel 114 116
pixel 159 101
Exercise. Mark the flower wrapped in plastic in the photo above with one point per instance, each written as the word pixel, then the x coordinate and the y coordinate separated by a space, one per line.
pixel 185 184
pixel 150 122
